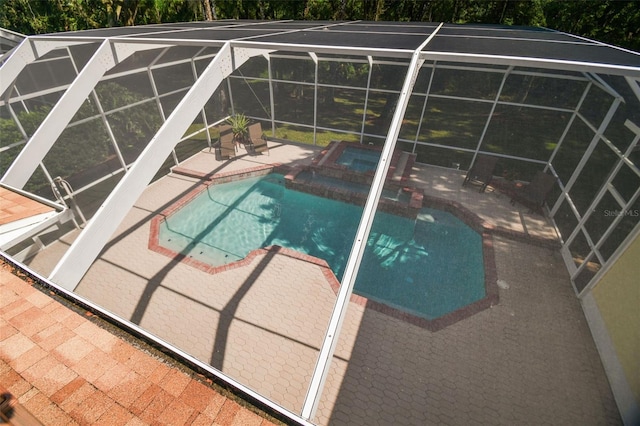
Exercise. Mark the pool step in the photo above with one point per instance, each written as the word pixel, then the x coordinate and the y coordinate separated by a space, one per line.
pixel 327 154
pixel 405 162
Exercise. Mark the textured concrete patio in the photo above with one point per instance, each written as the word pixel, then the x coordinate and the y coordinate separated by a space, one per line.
pixel 528 360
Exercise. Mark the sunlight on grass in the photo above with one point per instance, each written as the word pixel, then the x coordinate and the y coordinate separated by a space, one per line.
pixel 194 128
pixel 323 138
pixel 345 101
pixel 440 133
pixel 292 134
pixel 411 121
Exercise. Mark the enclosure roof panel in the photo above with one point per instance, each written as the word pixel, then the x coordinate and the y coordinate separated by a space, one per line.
pixel 424 29
pixel 535 49
pixel 499 31
pixel 347 39
pixel 528 43
pixel 218 34
pixel 115 32
pixel 9 40
pixel 520 46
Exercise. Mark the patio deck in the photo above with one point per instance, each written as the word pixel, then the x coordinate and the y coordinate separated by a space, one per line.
pixel 528 360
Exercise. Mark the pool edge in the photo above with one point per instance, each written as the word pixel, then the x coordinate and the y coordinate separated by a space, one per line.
pixel 485 230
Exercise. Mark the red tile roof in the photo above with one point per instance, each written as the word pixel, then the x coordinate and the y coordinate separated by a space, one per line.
pixel 64 368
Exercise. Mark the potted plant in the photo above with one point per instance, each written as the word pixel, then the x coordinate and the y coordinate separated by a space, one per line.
pixel 240 127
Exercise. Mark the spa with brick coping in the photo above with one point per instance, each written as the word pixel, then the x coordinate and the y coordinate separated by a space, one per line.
pixel 327 162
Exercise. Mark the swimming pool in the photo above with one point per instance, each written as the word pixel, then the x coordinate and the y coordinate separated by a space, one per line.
pixel 427 267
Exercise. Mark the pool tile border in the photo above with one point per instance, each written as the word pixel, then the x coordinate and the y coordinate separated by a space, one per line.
pixel 206 181
pixel 485 229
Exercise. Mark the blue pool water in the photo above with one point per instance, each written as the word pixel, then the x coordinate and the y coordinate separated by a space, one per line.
pixel 428 267
pixel 359 160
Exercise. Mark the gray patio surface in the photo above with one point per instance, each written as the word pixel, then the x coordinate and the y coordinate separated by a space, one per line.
pixel 528 360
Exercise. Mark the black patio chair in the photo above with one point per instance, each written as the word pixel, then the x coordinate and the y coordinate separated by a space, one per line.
pixel 535 193
pixel 481 171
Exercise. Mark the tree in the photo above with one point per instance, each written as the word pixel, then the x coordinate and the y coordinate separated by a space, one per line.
pixel 41 17
pixel 209 12
pixel 615 22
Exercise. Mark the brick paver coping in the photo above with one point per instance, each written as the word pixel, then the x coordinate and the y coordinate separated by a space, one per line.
pixel 68 367
pixel 491 297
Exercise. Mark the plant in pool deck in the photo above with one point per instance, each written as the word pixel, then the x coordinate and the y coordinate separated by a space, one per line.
pixel 240 127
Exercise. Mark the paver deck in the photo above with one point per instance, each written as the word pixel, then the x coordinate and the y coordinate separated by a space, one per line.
pixel 528 360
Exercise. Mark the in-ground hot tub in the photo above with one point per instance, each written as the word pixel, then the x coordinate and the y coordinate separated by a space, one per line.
pixel 356 162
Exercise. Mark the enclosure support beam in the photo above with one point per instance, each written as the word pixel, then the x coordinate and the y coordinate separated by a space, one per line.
pixel 23 55
pixel 77 260
pixel 575 115
pixel 552 157
pixel 493 109
pixel 581 216
pixel 634 83
pixel 272 102
pixel 15 118
pixel 154 88
pixel 598 81
pixel 314 57
pixel 424 106
pixel 330 341
pixel 592 145
pixel 54 124
pixel 103 117
pixel 233 108
pixel 624 205
pixel 203 113
pixel 28 51
pixel 106 57
pixel 366 97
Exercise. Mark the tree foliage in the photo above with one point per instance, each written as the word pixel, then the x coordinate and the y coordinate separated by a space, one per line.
pixel 612 21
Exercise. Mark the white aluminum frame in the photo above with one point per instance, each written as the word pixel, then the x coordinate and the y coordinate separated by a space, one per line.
pixel 105 58
pixel 330 341
pixel 79 257
pixel 27 52
pixel 231 55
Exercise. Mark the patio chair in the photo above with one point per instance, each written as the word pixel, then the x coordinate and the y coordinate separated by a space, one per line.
pixel 258 139
pixel 227 144
pixel 535 193
pixel 481 171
